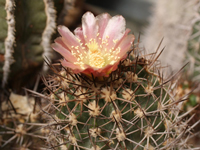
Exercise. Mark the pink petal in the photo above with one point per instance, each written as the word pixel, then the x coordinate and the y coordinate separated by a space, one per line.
pixel 68 37
pixel 101 28
pixel 90 70
pixel 121 41
pixel 79 34
pixel 114 30
pixel 124 36
pixel 102 21
pixel 64 52
pixel 108 69
pixel 101 71
pixel 89 25
pixel 126 44
pixel 60 41
pixel 75 68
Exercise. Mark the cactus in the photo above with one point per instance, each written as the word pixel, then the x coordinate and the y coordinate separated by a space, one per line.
pixel 27 27
pixel 131 107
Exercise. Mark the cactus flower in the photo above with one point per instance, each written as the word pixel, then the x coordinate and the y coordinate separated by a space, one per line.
pixel 95 48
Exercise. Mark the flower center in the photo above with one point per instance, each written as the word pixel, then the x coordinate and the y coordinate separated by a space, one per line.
pixel 95 55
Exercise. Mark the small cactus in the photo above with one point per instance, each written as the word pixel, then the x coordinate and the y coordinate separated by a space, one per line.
pixel 131 109
pixel 130 106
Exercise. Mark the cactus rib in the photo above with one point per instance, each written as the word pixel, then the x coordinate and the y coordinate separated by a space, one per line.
pixel 10 39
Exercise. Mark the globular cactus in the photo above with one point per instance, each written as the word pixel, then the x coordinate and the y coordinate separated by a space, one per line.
pixel 100 100
pixel 131 109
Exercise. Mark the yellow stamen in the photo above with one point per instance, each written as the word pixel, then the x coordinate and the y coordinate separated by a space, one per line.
pixel 93 46
pixel 96 60
pixel 95 55
pixel 98 55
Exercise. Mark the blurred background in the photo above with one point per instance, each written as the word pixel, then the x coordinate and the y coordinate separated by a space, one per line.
pixel 136 12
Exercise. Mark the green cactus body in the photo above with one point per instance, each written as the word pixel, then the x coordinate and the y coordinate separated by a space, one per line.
pixel 3 28
pixel 30 23
pixel 26 38
pixel 131 109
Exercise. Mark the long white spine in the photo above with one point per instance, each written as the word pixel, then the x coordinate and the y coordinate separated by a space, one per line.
pixel 10 39
pixel 49 30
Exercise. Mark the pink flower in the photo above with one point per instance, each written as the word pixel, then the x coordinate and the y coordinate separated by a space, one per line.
pixel 97 47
